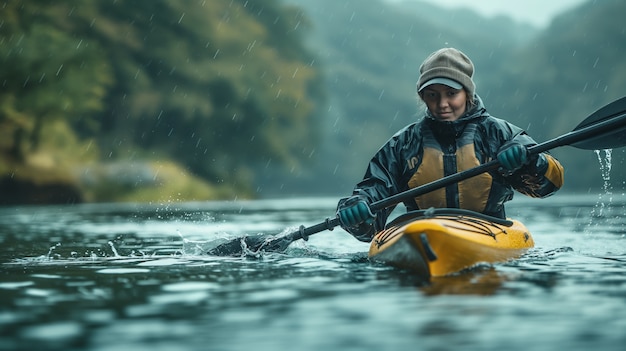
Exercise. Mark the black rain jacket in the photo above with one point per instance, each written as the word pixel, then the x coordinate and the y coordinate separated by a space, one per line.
pixel 394 166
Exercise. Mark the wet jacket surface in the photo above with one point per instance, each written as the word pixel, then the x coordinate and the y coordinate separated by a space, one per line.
pixel 429 149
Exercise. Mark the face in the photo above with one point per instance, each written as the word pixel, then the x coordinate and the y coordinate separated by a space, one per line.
pixel 444 102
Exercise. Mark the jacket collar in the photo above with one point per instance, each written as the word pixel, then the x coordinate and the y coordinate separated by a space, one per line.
pixel 452 129
pixel 473 111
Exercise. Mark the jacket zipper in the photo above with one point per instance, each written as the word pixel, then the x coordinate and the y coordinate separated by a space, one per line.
pixel 449 168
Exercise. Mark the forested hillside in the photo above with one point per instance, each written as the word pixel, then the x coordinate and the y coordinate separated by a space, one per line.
pixel 107 94
pixel 169 100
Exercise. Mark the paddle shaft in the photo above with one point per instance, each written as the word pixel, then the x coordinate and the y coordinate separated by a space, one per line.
pixel 609 124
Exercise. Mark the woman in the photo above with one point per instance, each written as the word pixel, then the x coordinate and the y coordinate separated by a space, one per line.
pixel 456 134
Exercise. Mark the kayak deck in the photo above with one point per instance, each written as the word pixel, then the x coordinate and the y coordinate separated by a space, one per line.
pixel 446 241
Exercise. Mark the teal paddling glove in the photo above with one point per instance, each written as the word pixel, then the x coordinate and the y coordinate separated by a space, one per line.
pixel 512 156
pixel 354 211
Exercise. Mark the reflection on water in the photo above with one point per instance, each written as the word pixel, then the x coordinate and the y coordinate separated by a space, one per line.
pixel 477 281
pixel 111 277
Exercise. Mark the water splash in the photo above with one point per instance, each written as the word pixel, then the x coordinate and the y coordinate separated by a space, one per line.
pixel 192 247
pixel 115 253
pixel 601 212
pixel 51 254
pixel 605 168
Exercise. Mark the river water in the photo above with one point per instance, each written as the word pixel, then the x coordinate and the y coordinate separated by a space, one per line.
pixel 134 277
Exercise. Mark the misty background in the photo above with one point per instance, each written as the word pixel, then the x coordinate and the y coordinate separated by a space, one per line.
pixel 196 100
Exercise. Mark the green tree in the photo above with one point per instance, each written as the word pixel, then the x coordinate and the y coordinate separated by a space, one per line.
pixel 222 85
pixel 48 74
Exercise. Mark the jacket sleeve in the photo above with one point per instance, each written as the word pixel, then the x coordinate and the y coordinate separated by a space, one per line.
pixel 541 177
pixel 382 179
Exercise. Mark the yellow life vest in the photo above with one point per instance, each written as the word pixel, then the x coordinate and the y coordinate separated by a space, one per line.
pixel 473 193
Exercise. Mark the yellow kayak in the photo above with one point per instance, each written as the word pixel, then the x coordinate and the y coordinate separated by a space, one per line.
pixel 439 242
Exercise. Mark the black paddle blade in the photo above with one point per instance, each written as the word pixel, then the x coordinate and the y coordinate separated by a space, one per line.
pixel 251 245
pixel 613 116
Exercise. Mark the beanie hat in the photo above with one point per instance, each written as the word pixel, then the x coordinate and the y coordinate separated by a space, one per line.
pixel 447 66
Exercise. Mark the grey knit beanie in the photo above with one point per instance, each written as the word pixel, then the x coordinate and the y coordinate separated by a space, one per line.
pixel 447 66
